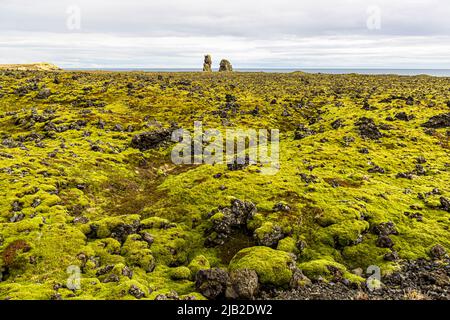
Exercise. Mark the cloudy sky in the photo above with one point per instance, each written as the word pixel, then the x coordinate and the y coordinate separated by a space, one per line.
pixel 250 33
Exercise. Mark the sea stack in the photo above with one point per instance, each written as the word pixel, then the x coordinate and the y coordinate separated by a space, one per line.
pixel 225 66
pixel 207 64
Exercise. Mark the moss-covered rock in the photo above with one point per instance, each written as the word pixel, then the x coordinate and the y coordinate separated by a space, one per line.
pixel 273 267
pixel 198 263
pixel 180 273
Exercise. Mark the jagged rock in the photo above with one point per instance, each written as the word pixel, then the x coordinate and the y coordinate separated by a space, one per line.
pixel 302 132
pixel 404 175
pixel 299 280
pixel 281 206
pixel 122 231
pixel 385 229
pixel 105 270
pixel 227 219
pixel 376 169
pixel 368 129
pixel 445 204
pixel 384 242
pixel 337 124
pixel 225 66
pixel 404 117
pixel 391 256
pixel 439 121
pixel 211 283
pixel 127 272
pixel 169 296
pixel 308 178
pixel 268 235
pixel 44 93
pixel 438 252
pixel 147 237
pixel 17 206
pixel 136 292
pixel 243 285
pixel 150 140
pixel 421 160
pixel 207 64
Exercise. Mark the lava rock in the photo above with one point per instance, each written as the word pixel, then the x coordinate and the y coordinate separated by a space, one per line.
pixel 337 124
pixel 136 292
pixel 150 140
pixel 376 169
pixel 243 284
pixel 391 256
pixel 226 219
pixel 438 252
pixel 207 64
pixel 147 237
pixel 299 280
pixel 385 229
pixel 212 283
pixel 404 116
pixel 281 206
pixel 302 132
pixel 439 121
pixel 44 94
pixel 384 242
pixel 269 238
pixel 368 129
pixel 225 66
pixel 122 231
pixel 445 204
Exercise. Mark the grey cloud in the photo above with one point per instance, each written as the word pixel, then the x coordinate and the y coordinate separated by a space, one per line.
pixel 269 33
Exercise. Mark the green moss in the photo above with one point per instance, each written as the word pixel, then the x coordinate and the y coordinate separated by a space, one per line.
pixel 69 190
pixel 325 269
pixel 272 266
pixel 198 263
pixel 180 273
pixel 136 253
pixel 288 244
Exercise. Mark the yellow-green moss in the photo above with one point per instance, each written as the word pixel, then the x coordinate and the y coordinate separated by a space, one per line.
pixel 273 267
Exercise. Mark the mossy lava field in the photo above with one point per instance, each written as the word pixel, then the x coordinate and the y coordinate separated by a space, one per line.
pixel 93 207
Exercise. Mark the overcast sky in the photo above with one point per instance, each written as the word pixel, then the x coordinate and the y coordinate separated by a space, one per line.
pixel 250 33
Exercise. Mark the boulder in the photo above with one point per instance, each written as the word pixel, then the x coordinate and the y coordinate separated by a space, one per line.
pixel 439 121
pixel 150 140
pixel 207 65
pixel 243 285
pixel 273 267
pixel 211 283
pixel 44 93
pixel 268 235
pixel 368 129
pixel 445 204
pixel 438 252
pixel 225 66
pixel 227 219
pixel 384 242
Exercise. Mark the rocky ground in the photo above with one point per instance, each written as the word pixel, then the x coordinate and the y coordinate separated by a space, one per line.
pixel 416 280
pixel 92 207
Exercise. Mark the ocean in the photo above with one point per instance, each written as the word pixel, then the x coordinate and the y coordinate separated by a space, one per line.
pixel 404 72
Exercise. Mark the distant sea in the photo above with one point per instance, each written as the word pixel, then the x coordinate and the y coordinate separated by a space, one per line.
pixel 405 72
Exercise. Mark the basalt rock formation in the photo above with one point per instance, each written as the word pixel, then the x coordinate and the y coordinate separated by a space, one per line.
pixel 207 64
pixel 225 66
